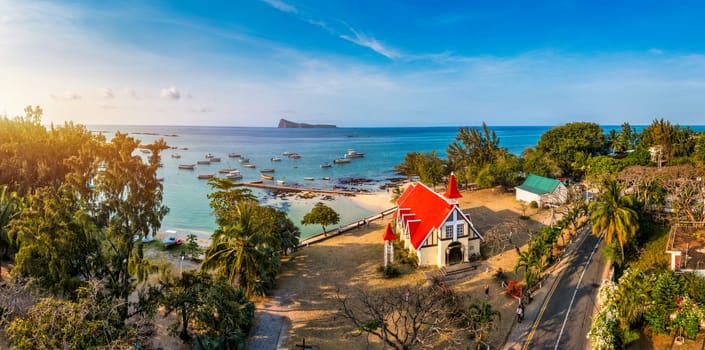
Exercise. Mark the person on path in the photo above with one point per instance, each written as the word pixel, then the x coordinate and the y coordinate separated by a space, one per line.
pixel 487 291
pixel 520 313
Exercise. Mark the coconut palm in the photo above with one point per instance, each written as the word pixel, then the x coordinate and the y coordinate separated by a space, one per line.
pixel 532 266
pixel 612 215
pixel 481 319
pixel 9 207
pixel 240 251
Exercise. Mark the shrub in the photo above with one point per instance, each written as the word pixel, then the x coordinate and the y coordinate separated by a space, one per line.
pixel 390 271
pixel 534 204
pixel 500 276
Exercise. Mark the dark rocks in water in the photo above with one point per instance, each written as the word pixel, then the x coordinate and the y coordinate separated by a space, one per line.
pixel 354 180
pixel 287 124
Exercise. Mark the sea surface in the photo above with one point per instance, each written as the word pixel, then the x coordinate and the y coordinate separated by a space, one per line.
pixel 185 195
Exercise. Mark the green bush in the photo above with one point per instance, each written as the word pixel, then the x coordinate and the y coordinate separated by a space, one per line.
pixel 534 204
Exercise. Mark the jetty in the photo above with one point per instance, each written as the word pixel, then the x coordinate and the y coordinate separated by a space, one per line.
pixel 259 184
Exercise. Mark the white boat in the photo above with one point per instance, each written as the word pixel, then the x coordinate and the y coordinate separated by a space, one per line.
pixel 176 155
pixel 326 165
pixel 308 178
pixel 280 182
pixel 249 166
pixel 286 153
pixel 267 170
pixel 243 160
pixel 276 159
pixel 209 156
pixel 205 176
pixel 226 170
pixel 235 174
pixel 325 178
pixel 342 161
pixel 187 166
pixel 233 155
pixel 294 156
pixel 353 154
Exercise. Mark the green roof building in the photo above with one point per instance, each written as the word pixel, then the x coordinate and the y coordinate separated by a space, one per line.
pixel 543 190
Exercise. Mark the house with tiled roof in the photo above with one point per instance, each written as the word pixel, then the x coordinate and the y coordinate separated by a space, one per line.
pixel 543 190
pixel 433 227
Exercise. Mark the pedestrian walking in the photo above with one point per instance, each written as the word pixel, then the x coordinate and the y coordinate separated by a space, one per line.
pixel 487 291
pixel 520 313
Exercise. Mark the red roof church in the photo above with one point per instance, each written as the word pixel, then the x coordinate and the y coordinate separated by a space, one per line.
pixel 434 228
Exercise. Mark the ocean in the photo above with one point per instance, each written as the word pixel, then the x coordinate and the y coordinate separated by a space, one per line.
pixel 185 195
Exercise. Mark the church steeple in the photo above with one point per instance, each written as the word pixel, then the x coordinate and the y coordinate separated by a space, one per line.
pixel 452 193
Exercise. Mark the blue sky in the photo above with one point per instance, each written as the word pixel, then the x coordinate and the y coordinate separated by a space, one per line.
pixel 354 63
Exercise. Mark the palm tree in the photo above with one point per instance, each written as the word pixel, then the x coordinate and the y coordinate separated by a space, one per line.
pixel 9 207
pixel 612 215
pixel 481 318
pixel 239 250
pixel 532 266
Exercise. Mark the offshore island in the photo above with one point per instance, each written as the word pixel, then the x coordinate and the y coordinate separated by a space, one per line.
pixel 287 124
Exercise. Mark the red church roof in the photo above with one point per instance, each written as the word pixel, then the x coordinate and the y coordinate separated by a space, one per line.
pixel 429 211
pixel 389 235
pixel 452 191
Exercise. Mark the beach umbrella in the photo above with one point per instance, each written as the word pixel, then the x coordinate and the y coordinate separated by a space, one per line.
pixel 389 238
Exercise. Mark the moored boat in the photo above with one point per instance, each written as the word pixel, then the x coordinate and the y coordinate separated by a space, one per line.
pixel 276 159
pixel 325 178
pixel 342 161
pixel 233 155
pixel 214 159
pixel 326 165
pixel 249 166
pixel 175 155
pixel 209 156
pixel 235 174
pixel 286 153
pixel 243 160
pixel 267 170
pixel 226 170
pixel 308 178
pixel 294 156
pixel 205 176
pixel 281 181
pixel 203 162
pixel 354 154
pixel 187 166
pixel 267 177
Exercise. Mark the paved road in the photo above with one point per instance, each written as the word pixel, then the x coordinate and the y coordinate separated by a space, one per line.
pixel 564 319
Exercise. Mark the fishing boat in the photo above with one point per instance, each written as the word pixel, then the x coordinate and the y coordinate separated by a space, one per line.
pixel 326 165
pixel 205 176
pixel 294 156
pixel 176 155
pixel 267 170
pixel 342 161
pixel 249 166
pixel 267 177
pixel 354 154
pixel 226 170
pixel 235 174
pixel 187 166
pixel 308 178
pixel 276 159
pixel 233 155
pixel 203 162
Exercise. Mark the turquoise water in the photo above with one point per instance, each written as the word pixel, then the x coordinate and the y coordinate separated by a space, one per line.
pixel 185 195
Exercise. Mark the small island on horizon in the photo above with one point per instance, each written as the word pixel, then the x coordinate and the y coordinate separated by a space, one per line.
pixel 287 124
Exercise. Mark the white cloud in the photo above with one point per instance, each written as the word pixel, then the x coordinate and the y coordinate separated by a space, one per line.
pixel 170 93
pixel 371 43
pixel 66 96
pixel 655 51
pixel 281 6
pixel 107 93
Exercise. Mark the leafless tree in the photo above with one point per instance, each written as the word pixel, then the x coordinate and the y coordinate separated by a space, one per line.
pixel 403 317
